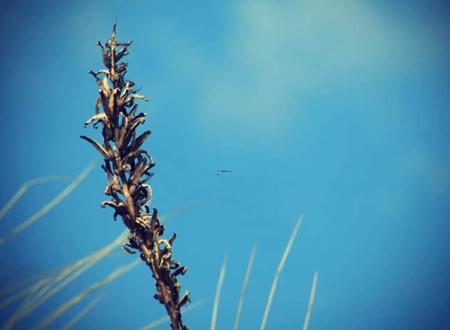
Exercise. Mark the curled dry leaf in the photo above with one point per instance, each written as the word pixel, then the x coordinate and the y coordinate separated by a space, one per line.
pixel 105 153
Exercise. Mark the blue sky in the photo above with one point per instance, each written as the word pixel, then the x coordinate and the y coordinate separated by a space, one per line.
pixel 334 110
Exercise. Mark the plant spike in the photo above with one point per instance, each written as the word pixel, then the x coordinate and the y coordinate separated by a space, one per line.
pixel 128 168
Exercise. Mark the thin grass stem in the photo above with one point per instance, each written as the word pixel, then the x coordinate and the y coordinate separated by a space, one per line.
pixel 66 277
pixel 50 205
pixel 44 323
pixel 312 295
pixel 244 288
pixel 278 272
pixel 48 286
pixel 25 292
pixel 82 313
pixel 24 188
pixel 218 293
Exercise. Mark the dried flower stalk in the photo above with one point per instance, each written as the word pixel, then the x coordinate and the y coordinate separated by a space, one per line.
pixel 128 169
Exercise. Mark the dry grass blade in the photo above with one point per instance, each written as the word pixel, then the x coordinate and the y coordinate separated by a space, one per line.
pixel 83 294
pixel 16 297
pixel 50 205
pixel 48 286
pixel 312 295
pixel 75 270
pixel 24 307
pixel 82 313
pixel 277 274
pixel 25 292
pixel 23 189
pixel 85 263
pixel 244 288
pixel 166 319
pixel 218 292
pixel 18 287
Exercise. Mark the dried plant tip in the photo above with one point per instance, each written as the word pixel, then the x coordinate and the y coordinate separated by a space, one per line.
pixel 127 167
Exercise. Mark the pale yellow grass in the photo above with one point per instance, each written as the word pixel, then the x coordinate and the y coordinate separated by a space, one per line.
pixel 48 286
pixel 82 313
pixel 24 188
pixel 312 295
pixel 278 272
pixel 45 322
pixel 244 288
pixel 215 310
pixel 50 205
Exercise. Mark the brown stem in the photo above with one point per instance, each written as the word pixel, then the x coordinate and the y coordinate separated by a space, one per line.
pixel 152 261
pixel 164 291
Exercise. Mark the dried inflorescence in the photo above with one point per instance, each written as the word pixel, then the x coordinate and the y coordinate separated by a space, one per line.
pixel 128 169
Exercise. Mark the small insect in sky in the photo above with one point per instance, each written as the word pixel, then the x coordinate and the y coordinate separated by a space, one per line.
pixel 220 172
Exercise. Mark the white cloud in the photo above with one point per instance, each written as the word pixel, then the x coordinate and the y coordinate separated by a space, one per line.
pixel 281 50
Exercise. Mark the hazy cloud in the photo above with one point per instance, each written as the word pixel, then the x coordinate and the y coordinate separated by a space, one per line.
pixel 281 50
